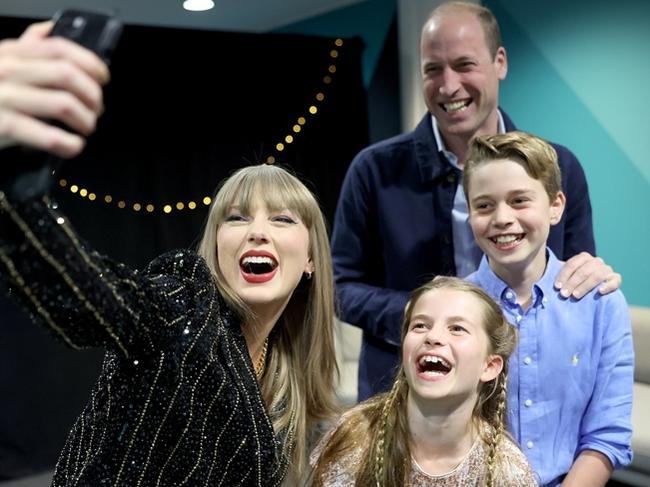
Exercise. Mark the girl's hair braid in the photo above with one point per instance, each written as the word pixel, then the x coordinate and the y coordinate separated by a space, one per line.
pixel 379 447
pixel 497 424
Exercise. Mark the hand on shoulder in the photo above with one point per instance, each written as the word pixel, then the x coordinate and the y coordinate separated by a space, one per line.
pixel 583 272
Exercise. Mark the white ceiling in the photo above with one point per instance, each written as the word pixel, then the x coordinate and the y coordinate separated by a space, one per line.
pixel 239 15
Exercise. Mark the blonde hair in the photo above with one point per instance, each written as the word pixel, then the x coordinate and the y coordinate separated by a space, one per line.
pixel 382 422
pixel 484 15
pixel 536 156
pixel 298 385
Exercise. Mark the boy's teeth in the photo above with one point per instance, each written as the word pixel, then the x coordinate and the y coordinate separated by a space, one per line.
pixel 257 260
pixel 455 106
pixel 505 239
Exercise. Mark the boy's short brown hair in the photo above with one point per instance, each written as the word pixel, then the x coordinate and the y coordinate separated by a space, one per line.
pixel 535 155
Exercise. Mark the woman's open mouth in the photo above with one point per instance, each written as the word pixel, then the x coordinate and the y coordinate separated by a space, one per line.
pixel 258 267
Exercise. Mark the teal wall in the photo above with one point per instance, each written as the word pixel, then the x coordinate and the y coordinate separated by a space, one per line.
pixel 369 20
pixel 580 75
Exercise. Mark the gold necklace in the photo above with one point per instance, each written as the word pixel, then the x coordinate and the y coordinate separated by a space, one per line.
pixel 261 361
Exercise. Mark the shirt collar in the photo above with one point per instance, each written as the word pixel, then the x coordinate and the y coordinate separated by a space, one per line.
pixel 498 289
pixel 501 129
pixel 547 282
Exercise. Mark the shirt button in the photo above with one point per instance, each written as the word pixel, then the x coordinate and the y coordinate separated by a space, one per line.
pixel 509 295
pixel 528 360
pixel 518 318
pixel 528 403
pixel 530 444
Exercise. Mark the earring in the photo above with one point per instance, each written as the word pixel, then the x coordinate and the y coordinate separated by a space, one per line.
pixel 308 274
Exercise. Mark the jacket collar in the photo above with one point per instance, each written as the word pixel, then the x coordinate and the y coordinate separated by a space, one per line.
pixel 432 164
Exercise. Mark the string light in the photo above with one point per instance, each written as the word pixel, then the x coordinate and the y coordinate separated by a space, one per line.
pixel 312 109
pixel 295 128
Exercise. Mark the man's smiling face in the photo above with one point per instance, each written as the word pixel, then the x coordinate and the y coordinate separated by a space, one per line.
pixel 460 78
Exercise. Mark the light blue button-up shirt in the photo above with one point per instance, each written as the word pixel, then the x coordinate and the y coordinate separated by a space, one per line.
pixel 570 380
pixel 467 254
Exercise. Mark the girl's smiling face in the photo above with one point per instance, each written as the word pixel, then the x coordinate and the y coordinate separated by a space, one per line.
pixel 445 352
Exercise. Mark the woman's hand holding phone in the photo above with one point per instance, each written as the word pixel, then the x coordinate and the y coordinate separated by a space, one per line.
pixel 49 79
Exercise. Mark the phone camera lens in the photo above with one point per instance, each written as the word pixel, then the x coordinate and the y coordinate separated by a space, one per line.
pixel 78 22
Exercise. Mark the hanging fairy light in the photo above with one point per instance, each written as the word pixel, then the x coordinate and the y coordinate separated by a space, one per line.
pixel 296 127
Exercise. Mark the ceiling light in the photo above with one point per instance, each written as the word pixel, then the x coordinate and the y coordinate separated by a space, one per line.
pixel 198 5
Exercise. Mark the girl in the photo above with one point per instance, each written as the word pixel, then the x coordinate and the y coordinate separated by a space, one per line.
pixel 218 365
pixel 442 424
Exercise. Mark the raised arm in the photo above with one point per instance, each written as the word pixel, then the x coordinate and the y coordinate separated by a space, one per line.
pixel 83 297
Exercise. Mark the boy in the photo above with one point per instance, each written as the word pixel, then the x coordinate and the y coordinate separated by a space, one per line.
pixel 571 378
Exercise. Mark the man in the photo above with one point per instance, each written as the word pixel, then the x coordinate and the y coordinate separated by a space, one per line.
pixel 402 215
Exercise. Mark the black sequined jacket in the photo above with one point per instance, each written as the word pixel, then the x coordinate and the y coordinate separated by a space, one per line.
pixel 177 402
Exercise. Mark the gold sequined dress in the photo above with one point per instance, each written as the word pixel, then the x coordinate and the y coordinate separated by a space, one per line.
pixel 177 402
pixel 513 470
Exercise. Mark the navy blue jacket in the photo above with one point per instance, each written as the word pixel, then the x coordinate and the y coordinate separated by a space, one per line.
pixel 392 233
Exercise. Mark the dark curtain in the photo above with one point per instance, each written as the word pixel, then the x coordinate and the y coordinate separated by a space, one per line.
pixel 184 109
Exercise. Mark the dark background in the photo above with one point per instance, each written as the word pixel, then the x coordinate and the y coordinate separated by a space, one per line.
pixel 184 109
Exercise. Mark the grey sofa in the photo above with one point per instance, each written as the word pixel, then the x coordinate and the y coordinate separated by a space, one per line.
pixel 638 474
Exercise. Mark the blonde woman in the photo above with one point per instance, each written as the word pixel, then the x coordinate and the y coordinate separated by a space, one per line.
pixel 218 364
pixel 442 424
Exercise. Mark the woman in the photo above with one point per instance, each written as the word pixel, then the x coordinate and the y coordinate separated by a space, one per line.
pixel 442 424
pixel 218 365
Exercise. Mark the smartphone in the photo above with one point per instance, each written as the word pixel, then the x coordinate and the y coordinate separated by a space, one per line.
pixel 97 31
